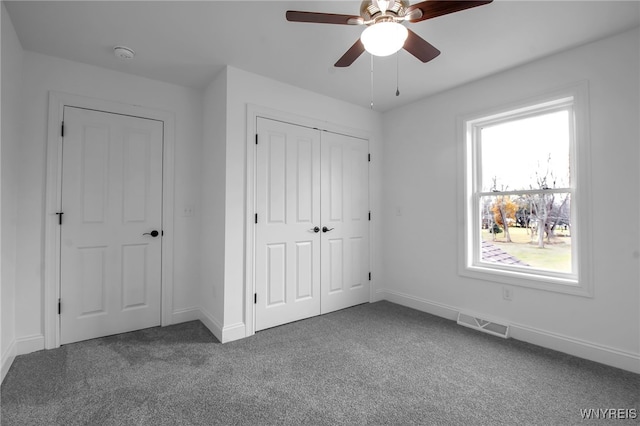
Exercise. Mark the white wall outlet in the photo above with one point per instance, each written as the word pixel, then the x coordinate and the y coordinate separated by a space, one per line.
pixel 507 293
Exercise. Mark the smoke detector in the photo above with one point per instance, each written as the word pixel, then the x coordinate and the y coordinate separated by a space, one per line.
pixel 123 52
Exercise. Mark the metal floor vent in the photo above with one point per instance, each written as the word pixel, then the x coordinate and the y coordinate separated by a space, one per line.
pixel 485 326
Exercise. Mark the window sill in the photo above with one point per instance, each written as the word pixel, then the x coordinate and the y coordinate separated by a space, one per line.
pixel 527 279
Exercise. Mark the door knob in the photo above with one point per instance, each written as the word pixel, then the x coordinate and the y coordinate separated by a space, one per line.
pixel 325 229
pixel 315 229
pixel 153 233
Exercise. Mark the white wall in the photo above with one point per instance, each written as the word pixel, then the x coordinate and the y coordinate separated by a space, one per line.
pixel 213 196
pixel 42 74
pixel 11 125
pixel 420 174
pixel 243 89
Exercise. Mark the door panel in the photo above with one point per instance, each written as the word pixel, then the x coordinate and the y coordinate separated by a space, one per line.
pixel 134 283
pixel 345 210
pixel 334 263
pixel 111 194
pixel 305 179
pixel 287 257
pixel 304 270
pixel 276 274
pixel 91 262
pixel 94 152
pixel 333 181
pixel 136 171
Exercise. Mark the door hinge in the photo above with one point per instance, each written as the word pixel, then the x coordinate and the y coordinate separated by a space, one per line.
pixel 255 298
pixel 60 217
pixel 62 129
pixel 369 214
pixel 256 218
pixel 59 307
pixel 369 157
pixel 256 139
pixel 369 276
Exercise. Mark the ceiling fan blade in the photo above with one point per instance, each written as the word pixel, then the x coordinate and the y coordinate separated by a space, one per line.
pixel 351 55
pixel 434 8
pixel 323 18
pixel 419 47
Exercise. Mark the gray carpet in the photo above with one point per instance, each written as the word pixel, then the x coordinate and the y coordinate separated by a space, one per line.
pixel 372 364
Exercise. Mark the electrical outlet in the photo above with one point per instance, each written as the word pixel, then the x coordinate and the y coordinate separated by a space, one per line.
pixel 507 293
pixel 187 211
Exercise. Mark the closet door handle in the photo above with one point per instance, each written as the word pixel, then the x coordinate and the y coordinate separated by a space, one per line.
pixel 325 229
pixel 315 229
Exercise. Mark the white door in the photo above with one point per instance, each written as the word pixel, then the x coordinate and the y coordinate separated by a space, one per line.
pixel 308 181
pixel 345 222
pixel 287 254
pixel 110 271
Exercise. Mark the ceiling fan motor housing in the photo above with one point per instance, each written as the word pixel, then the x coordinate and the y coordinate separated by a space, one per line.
pixel 369 9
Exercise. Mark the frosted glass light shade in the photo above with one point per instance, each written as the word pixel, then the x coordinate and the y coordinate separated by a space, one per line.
pixel 384 38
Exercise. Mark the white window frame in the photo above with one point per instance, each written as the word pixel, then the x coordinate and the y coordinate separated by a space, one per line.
pixel 575 100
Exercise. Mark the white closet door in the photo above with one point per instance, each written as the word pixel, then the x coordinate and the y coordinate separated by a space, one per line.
pixel 345 222
pixel 287 250
pixel 110 272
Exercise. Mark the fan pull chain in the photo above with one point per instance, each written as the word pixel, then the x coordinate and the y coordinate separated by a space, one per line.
pixel 371 81
pixel 398 74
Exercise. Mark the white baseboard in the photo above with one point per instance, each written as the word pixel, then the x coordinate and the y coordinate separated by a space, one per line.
pixel 577 347
pixel 211 323
pixel 223 334
pixel 185 315
pixel 28 344
pixel 233 332
pixel 7 359
pixel 583 349
pixel 424 305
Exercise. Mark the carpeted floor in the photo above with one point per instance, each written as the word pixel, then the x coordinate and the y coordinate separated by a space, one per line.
pixel 372 364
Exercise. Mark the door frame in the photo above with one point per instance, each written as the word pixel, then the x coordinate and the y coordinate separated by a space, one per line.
pixel 253 113
pixel 57 102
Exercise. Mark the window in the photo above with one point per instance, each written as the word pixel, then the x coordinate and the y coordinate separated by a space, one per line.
pixel 525 209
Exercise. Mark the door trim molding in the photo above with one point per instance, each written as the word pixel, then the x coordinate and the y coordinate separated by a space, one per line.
pixel 57 102
pixel 253 113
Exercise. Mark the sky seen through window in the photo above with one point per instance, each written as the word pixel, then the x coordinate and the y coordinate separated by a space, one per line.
pixel 514 151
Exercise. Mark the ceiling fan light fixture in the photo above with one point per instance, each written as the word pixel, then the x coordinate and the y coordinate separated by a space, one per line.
pixel 384 38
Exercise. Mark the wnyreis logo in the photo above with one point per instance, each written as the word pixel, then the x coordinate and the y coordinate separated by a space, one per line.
pixel 609 413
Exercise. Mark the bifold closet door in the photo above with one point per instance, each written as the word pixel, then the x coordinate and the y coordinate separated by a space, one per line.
pixel 312 225
pixel 287 249
pixel 344 253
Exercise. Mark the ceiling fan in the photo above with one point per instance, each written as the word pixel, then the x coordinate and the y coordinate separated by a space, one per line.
pixel 385 33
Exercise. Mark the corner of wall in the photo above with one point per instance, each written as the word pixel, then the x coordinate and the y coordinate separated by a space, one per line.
pixel 213 176
pixel 233 332
pixel 185 315
pixel 28 344
pixel 211 323
pixel 7 359
pixel 11 71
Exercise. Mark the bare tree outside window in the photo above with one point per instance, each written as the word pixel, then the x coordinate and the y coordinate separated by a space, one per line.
pixel 525 195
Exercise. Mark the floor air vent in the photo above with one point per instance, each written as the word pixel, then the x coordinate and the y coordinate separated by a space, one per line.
pixel 485 326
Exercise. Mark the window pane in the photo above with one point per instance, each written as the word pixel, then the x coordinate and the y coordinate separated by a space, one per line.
pixel 527 231
pixel 528 153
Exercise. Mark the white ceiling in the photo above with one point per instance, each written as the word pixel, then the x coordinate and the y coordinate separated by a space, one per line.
pixel 187 43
